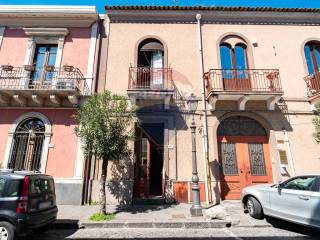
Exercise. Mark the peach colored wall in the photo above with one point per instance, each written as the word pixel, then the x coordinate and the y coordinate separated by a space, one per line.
pixel 62 157
pixel 13 47
pixel 279 46
pixel 75 50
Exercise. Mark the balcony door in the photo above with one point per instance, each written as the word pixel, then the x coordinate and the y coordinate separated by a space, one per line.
pixel 44 61
pixel 150 64
pixel 234 64
pixel 312 55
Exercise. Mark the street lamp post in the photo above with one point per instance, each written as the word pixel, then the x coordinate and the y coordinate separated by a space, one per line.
pixel 196 209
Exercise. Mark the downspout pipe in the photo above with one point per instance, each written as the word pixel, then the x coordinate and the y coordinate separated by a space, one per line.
pixel 204 119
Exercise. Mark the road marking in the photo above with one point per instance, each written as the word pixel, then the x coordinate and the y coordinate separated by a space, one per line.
pixel 227 231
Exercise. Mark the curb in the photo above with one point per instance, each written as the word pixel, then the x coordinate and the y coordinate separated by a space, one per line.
pixel 66 224
pixel 157 224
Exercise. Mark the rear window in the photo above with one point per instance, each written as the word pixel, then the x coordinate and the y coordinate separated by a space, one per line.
pixel 9 187
pixel 41 185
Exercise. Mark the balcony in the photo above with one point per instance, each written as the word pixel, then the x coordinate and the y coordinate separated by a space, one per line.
pixel 42 87
pixel 151 84
pixel 313 85
pixel 243 86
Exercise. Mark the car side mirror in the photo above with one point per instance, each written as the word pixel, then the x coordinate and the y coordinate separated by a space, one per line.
pixel 279 187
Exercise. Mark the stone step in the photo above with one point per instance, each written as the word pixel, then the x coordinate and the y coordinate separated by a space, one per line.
pixel 149 201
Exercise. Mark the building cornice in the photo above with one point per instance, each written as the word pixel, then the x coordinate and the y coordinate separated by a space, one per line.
pixel 47 16
pixel 232 15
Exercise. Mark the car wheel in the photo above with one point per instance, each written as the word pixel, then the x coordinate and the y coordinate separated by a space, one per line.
pixel 7 231
pixel 254 208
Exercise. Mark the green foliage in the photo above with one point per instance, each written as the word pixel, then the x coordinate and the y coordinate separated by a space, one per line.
pixel 102 217
pixel 104 125
pixel 316 122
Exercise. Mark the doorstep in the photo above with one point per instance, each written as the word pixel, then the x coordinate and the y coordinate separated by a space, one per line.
pixel 148 223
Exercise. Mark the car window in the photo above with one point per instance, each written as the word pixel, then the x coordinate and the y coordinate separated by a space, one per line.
pixel 41 185
pixel 317 185
pixel 2 184
pixel 9 187
pixel 300 183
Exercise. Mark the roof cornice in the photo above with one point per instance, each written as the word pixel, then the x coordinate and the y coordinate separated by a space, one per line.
pixel 211 8
pixel 232 15
pixel 47 16
pixel 49 9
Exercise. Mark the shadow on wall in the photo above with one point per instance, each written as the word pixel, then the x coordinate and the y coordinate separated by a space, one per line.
pixel 121 184
pixel 215 170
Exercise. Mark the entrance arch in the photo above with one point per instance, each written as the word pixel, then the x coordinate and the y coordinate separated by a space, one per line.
pixel 244 156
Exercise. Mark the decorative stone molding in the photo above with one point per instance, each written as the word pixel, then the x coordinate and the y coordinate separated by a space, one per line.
pixel 242 102
pixel 47 134
pixel 46 31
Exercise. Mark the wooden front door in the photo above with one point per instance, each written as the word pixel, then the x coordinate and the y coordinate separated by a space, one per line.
pixel 142 166
pixel 244 161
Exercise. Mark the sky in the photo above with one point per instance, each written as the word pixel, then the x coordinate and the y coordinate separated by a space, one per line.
pixel 101 3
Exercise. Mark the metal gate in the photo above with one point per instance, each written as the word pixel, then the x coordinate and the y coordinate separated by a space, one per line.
pixel 27 145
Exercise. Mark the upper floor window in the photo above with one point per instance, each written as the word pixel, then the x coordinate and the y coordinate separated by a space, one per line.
pixel 150 70
pixel 44 61
pixel 312 55
pixel 233 57
pixel 151 54
pixel 234 63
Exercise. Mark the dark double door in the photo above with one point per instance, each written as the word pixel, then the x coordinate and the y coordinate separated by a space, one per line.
pixel 148 167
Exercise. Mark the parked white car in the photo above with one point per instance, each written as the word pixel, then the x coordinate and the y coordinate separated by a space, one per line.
pixel 296 200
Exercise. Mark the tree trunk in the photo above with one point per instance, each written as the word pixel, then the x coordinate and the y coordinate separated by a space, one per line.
pixel 102 190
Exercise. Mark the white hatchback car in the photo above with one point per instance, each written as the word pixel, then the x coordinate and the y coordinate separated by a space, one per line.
pixel 296 200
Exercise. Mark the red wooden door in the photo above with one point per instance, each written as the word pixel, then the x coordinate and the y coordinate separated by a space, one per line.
pixel 244 160
pixel 142 168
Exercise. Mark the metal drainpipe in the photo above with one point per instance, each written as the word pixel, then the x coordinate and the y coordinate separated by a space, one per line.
pixel 204 113
pixel 286 140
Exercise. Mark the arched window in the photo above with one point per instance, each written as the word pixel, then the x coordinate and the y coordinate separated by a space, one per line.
pixel 234 64
pixel 233 58
pixel 240 126
pixel 312 55
pixel 27 145
pixel 150 69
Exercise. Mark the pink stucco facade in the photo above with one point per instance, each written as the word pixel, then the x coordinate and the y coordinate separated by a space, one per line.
pixel 75 50
pixel 63 141
pixel 38 91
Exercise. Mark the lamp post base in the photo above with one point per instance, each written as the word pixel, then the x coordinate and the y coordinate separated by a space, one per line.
pixel 196 211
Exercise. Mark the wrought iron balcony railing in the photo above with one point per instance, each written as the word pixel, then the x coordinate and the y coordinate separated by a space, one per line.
pixel 243 80
pixel 47 78
pixel 313 84
pixel 147 78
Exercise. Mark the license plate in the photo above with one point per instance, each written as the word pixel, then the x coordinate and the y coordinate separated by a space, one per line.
pixel 43 205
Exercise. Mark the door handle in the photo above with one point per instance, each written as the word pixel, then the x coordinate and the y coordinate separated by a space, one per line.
pixel 304 197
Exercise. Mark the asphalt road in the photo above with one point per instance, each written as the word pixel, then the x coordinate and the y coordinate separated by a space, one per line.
pixel 290 231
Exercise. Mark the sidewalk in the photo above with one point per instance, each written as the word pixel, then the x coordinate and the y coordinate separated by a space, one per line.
pixel 155 216
pixel 239 218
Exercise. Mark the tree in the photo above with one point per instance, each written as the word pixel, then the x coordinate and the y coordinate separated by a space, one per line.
pixel 104 128
pixel 316 122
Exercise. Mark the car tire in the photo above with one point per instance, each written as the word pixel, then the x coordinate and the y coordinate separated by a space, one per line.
pixel 254 208
pixel 7 231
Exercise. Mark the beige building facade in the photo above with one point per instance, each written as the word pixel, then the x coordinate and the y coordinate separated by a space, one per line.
pixel 259 70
